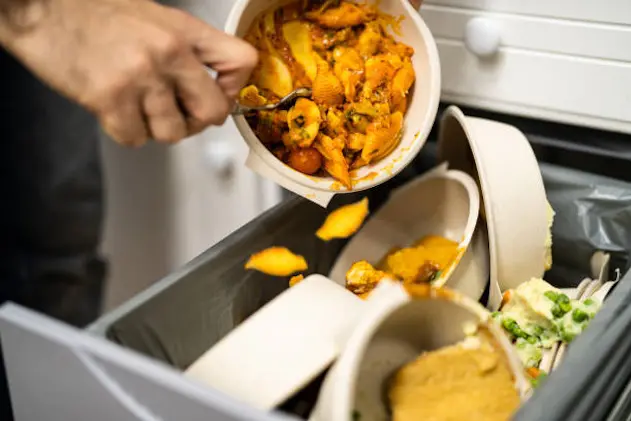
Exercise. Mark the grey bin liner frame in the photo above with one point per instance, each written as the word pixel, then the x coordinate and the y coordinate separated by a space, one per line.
pixel 180 317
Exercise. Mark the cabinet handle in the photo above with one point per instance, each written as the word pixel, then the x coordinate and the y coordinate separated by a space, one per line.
pixel 482 37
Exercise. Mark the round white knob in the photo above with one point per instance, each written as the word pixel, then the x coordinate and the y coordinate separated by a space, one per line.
pixel 482 37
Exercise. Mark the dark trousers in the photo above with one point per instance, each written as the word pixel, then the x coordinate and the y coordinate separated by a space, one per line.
pixel 51 203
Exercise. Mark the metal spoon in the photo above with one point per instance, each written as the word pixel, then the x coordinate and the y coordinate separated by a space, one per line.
pixel 240 109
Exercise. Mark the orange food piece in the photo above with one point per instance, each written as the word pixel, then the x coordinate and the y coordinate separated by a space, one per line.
pixel 296 279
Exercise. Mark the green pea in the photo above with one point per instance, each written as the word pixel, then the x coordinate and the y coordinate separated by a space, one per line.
pixel 566 307
pixel 551 295
pixel 579 316
pixel 538 330
pixel 557 311
pixel 509 324
pixel 563 299
pixel 589 302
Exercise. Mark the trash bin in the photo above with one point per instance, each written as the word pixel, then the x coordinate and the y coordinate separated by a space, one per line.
pixel 128 364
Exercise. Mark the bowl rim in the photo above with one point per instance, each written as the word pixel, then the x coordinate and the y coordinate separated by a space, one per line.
pixel 330 184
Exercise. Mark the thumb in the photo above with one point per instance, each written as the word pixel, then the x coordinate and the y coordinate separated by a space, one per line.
pixel 232 58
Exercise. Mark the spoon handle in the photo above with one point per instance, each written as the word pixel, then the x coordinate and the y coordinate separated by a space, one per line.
pixel 240 109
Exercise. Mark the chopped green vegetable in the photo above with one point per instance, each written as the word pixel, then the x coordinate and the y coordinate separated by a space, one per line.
pixel 579 316
pixel 537 330
pixel 589 302
pixel 496 314
pixel 551 295
pixel 531 339
pixel 566 307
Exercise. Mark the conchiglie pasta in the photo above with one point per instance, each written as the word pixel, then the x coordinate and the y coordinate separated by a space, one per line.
pixel 360 78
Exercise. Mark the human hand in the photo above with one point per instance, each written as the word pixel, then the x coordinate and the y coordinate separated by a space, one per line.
pixel 137 65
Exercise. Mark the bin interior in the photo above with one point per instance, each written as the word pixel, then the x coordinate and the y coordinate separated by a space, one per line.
pixel 197 305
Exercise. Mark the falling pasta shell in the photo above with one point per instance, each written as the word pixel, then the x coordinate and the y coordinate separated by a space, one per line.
pixel 277 261
pixel 344 222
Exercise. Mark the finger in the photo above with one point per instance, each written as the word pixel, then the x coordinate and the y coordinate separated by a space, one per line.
pixel 199 95
pixel 232 58
pixel 125 124
pixel 164 117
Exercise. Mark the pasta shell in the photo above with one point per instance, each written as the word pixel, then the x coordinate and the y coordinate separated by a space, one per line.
pixel 344 222
pixel 298 37
pixel 277 261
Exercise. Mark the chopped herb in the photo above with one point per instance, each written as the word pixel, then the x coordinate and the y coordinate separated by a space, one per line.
pixel 579 316
pixel 538 330
pixel 589 302
pixel 300 120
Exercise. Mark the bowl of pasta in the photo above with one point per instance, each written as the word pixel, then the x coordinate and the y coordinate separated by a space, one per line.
pixel 374 75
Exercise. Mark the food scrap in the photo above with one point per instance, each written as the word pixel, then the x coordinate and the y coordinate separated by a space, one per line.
pixel 421 263
pixel 344 222
pixel 536 316
pixel 295 280
pixel 360 79
pixel 454 383
pixel 277 261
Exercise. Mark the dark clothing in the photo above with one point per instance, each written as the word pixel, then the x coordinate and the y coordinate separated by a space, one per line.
pixel 51 201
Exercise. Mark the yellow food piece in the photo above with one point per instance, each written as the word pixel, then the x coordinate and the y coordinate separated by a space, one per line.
pixel 298 36
pixel 344 222
pixel 250 96
pixel 327 88
pixel 334 161
pixel 346 14
pixel 274 75
pixel 421 263
pixel 304 123
pixel 277 261
pixel 406 262
pixel 362 278
pixel 296 279
pixel 455 383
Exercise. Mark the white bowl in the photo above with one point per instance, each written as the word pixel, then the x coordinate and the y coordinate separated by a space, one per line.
pixel 283 346
pixel 423 106
pixel 513 195
pixel 393 334
pixel 440 202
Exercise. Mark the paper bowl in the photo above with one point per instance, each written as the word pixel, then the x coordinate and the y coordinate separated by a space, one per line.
pixel 423 106
pixel 395 333
pixel 440 202
pixel 283 346
pixel 513 196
